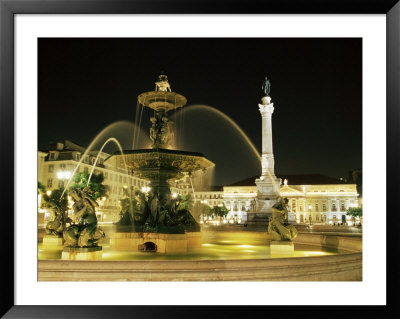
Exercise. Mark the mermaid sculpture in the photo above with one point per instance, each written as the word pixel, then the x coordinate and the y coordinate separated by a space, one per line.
pixel 84 233
pixel 278 226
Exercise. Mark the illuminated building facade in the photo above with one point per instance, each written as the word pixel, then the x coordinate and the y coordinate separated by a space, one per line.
pixel 313 198
pixel 322 198
pixel 56 165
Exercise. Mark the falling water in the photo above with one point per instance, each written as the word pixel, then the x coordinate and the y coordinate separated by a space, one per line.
pixel 191 183
pixel 238 129
pixel 137 129
pixel 111 139
pixel 97 139
pixel 228 119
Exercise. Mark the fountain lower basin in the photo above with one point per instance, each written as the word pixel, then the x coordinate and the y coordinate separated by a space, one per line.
pixel 322 258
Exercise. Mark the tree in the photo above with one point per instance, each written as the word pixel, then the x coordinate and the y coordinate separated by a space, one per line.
pixel 54 199
pixel 41 188
pixel 96 186
pixel 354 211
pixel 220 211
pixel 207 211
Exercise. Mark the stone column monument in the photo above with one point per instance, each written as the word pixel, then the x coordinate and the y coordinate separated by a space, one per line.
pixel 268 184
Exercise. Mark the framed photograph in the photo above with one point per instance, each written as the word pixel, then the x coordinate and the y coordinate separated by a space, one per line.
pixel 176 154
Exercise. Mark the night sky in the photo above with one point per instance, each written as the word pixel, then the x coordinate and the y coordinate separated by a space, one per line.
pixel 316 88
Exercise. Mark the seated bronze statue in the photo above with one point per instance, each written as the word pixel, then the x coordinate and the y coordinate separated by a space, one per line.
pixel 84 233
pixel 278 225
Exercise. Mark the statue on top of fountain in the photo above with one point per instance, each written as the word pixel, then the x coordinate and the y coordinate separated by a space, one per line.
pixel 278 225
pixel 159 131
pixel 162 84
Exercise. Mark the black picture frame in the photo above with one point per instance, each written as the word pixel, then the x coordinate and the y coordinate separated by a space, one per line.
pixel 8 10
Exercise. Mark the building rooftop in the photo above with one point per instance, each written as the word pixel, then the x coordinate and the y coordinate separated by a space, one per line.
pixel 301 179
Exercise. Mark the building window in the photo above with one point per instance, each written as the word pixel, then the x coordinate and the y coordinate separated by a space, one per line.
pixel 77 157
pixel 51 156
pixel 62 166
pixel 317 217
pixel 60 183
pixel 51 168
pixel 342 207
pixel 324 207
pixel 334 207
pixel 316 208
pixel 50 182
pixel 293 205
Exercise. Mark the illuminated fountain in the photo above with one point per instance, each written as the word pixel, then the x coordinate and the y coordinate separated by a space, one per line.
pixel 159 225
pixel 221 255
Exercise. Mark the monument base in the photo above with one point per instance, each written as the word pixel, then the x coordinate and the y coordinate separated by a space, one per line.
pixel 156 242
pixel 78 253
pixel 258 219
pixel 282 248
pixel 291 219
pixel 52 242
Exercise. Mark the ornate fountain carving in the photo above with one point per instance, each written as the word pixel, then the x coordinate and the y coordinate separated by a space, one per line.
pixel 159 165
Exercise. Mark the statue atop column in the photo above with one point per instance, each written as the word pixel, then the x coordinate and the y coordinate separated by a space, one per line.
pixel 266 86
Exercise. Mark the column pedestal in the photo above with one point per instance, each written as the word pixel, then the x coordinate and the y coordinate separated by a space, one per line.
pixel 268 184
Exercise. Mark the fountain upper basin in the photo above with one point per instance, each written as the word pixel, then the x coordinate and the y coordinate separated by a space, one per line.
pixel 145 163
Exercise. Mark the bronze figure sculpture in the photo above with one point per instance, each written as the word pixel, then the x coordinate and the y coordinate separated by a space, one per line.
pixel 266 86
pixel 85 232
pixel 278 225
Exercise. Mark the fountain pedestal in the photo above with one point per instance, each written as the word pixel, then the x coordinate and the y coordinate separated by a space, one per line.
pixel 52 242
pixel 282 248
pixel 164 243
pixel 79 253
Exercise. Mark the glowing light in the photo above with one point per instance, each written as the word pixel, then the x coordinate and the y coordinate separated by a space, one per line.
pixel 174 195
pixel 245 246
pixel 63 175
pixel 145 189
pixel 285 182
pixel 48 193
